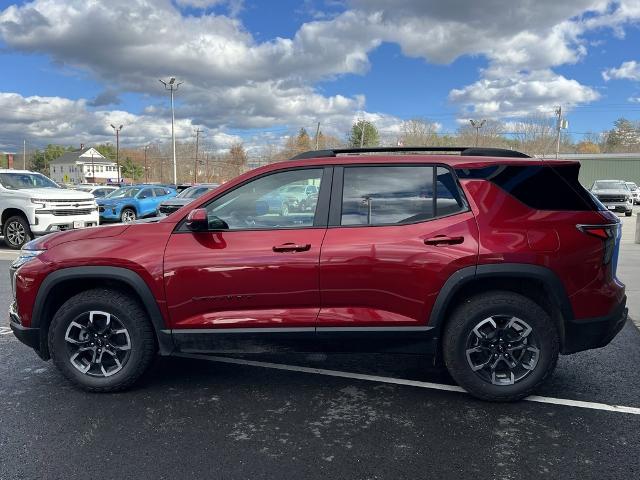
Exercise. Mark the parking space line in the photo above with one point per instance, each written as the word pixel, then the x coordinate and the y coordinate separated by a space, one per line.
pixel 5 331
pixel 409 383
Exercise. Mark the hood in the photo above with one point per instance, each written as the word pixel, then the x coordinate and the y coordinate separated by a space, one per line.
pixel 51 240
pixel 611 191
pixel 54 194
pixel 113 201
pixel 178 201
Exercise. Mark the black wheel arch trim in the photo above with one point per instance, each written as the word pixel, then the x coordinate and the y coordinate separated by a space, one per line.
pixel 119 274
pixel 460 278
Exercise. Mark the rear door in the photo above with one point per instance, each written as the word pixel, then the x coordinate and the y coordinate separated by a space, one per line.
pixel 146 202
pixel 396 233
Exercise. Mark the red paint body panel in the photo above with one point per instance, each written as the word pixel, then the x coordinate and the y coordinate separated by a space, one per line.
pixel 386 275
pixel 235 279
pixel 504 225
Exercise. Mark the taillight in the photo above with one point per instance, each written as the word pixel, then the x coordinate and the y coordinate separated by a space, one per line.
pixel 606 233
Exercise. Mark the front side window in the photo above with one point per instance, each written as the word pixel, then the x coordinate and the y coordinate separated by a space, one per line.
pixel 268 202
pixel 387 195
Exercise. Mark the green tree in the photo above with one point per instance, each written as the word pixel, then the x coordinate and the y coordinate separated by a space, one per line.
pixel 107 150
pixel 625 136
pixel 42 158
pixel 130 169
pixel 363 133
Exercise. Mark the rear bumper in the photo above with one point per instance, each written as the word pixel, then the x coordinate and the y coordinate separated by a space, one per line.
pixel 595 332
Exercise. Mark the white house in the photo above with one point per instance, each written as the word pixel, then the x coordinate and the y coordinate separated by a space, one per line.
pixel 86 165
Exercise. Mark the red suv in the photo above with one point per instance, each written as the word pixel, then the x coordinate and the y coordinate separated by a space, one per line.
pixel 490 261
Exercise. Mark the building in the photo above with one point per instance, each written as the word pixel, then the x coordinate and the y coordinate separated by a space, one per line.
pixel 86 165
pixel 7 159
pixel 606 166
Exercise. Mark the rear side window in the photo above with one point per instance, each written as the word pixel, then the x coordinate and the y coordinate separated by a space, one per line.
pixel 541 187
pixel 397 194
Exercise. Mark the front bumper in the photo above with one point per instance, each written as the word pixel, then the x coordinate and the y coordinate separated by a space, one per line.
pixel 28 336
pixel 109 213
pixel 594 332
pixel 47 223
pixel 618 206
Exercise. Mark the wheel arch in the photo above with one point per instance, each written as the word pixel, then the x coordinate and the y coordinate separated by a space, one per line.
pixel 62 284
pixel 535 282
pixel 9 212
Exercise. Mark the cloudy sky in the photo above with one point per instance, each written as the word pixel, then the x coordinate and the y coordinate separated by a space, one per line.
pixel 260 69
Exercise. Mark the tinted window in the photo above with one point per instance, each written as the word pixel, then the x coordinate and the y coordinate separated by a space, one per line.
pixel 543 187
pixel 160 192
pixel 387 195
pixel 265 203
pixel 146 193
pixel 448 197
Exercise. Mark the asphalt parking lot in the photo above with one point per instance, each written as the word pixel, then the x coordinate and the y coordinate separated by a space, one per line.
pixel 360 417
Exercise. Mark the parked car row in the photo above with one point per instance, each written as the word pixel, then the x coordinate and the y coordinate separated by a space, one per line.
pixel 617 195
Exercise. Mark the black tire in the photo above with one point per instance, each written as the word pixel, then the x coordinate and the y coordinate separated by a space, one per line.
pixel 459 331
pixel 128 215
pixel 16 232
pixel 628 214
pixel 125 311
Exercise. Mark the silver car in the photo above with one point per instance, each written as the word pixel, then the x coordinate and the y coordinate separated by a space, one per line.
pixel 614 194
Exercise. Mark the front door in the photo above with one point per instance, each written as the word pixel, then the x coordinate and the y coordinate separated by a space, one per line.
pixel 251 282
pixel 397 235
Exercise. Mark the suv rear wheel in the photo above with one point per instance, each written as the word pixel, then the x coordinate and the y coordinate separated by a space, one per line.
pixel 101 340
pixel 500 346
pixel 16 232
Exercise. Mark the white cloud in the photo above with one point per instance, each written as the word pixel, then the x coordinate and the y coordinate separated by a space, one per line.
pixel 521 94
pixel 628 70
pixel 233 81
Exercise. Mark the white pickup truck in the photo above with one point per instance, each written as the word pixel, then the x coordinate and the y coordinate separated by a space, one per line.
pixel 32 204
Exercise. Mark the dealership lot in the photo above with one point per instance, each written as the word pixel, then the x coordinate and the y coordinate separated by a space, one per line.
pixel 251 420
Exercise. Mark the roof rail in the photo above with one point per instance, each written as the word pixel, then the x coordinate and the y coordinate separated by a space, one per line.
pixel 466 151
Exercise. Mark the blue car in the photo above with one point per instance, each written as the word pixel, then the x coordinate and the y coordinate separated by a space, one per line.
pixel 129 203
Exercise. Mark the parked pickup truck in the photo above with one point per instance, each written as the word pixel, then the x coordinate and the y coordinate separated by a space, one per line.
pixel 32 204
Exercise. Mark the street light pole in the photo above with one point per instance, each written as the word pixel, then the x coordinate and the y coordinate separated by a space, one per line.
pixel 477 125
pixel 171 85
pixel 117 130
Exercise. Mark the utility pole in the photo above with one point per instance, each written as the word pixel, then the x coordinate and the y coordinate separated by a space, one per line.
pixel 24 154
pixel 477 125
pixel 361 122
pixel 117 130
pixel 146 170
pixel 317 135
pixel 172 86
pixel 195 169
pixel 559 127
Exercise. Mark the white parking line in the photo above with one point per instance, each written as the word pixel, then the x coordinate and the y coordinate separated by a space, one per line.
pixel 409 383
pixel 5 331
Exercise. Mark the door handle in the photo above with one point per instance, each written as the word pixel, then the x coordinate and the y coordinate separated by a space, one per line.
pixel 443 240
pixel 291 247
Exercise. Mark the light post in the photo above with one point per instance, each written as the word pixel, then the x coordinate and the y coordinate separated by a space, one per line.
pixel 477 125
pixel 171 85
pixel 117 130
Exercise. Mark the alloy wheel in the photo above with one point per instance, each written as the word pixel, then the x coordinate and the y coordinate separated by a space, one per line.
pixel 502 349
pixel 128 216
pixel 98 344
pixel 16 233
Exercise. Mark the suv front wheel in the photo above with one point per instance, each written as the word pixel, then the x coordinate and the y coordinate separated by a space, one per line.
pixel 101 340
pixel 16 232
pixel 500 346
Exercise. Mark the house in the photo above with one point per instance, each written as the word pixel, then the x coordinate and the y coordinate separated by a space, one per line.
pixel 86 165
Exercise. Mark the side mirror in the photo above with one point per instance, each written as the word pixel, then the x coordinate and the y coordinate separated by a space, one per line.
pixel 197 220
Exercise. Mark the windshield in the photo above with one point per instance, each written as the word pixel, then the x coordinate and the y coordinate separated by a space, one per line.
pixel 18 181
pixel 126 192
pixel 609 186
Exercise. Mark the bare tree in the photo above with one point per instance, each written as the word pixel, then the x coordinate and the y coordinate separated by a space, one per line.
pixel 418 132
